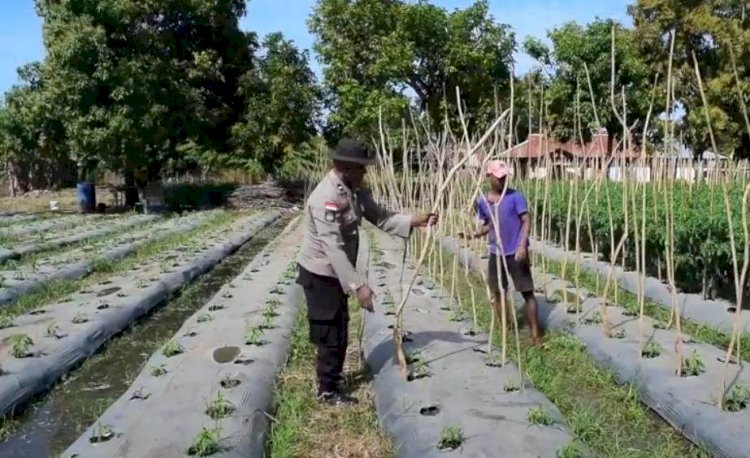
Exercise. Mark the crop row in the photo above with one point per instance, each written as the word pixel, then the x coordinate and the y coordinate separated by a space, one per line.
pixel 700 221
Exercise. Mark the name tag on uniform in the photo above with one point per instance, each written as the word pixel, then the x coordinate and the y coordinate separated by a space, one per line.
pixel 331 211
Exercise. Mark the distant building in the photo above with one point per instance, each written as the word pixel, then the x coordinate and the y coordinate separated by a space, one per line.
pixel 539 155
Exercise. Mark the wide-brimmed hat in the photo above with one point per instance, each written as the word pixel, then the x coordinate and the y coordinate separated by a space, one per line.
pixel 353 151
pixel 498 169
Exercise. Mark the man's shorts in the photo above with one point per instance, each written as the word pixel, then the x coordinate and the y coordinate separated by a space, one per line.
pixel 520 272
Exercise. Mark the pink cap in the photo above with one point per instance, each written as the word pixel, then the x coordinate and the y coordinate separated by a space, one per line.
pixel 498 169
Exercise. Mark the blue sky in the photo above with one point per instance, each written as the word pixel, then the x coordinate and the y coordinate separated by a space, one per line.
pixel 21 36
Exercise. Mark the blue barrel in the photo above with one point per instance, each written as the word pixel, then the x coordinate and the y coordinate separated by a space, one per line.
pixel 86 194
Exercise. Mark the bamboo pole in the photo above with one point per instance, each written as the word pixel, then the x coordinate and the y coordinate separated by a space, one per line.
pixel 397 331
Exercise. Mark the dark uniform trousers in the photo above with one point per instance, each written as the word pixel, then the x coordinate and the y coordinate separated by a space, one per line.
pixel 328 316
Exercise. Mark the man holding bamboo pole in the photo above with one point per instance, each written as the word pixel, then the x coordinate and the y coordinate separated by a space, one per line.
pixel 327 272
pixel 505 216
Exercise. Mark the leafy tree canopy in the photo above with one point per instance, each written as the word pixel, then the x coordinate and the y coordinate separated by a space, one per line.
pixel 377 53
pixel 578 80
pixel 717 32
pixel 153 87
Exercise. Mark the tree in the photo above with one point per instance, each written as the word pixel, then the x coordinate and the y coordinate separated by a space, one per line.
pixel 574 109
pixel 714 31
pixel 281 106
pixel 32 137
pixel 138 79
pixel 355 44
pixel 378 52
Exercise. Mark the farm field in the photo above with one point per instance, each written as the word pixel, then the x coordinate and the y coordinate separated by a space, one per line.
pixel 639 284
pixel 156 161
pixel 95 289
pixel 48 340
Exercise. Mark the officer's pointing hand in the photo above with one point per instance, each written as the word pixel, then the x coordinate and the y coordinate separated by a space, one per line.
pixel 365 295
pixel 426 219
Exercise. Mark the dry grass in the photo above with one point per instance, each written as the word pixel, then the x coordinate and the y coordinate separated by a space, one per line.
pixel 39 202
pixel 303 428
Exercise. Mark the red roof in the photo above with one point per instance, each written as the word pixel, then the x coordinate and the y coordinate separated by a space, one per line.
pixel 538 146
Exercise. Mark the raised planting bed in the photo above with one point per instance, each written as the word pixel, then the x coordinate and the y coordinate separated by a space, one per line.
pixel 647 358
pixel 43 225
pixel 459 400
pixel 24 278
pixel 207 391
pixel 101 228
pixel 716 314
pixel 9 220
pixel 64 334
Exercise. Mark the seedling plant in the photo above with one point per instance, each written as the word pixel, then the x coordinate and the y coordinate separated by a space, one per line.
pixel 219 407
pixel 651 350
pixel 158 371
pixel 172 348
pixel 737 399
pixel 206 443
pixel 101 433
pixel 21 346
pixel 693 365
pixel 267 322
pixel 451 438
pixel 254 336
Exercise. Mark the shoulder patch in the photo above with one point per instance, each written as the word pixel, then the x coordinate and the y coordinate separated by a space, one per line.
pixel 331 211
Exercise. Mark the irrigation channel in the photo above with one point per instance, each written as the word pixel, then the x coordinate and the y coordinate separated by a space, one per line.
pixel 48 425
pixel 208 389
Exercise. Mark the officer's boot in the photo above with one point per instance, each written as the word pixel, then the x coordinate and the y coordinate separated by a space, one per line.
pixel 330 388
pixel 336 398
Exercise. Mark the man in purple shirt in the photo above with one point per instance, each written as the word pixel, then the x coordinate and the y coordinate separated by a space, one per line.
pixel 504 214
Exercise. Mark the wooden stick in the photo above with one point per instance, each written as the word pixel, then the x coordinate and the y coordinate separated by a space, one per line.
pixel 397 331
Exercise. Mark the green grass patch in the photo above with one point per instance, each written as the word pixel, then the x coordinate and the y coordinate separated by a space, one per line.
pixel 539 416
pixel 303 427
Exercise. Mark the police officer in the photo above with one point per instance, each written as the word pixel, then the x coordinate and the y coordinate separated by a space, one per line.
pixel 327 273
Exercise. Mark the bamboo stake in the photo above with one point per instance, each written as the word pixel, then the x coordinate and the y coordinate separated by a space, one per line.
pixel 397 331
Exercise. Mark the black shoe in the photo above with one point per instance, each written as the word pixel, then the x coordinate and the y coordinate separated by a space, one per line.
pixel 336 398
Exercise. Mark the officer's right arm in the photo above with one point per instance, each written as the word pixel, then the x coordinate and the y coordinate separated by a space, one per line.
pixel 329 234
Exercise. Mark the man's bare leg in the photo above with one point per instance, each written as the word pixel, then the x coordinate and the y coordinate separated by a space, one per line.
pixel 532 307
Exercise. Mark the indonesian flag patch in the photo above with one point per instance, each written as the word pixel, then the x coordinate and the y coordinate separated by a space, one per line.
pixel 331 208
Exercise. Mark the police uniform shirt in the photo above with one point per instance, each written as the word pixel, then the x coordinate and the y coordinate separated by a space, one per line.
pixel 332 216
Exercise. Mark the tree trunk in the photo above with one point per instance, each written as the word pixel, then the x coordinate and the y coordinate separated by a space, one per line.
pixel 131 191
